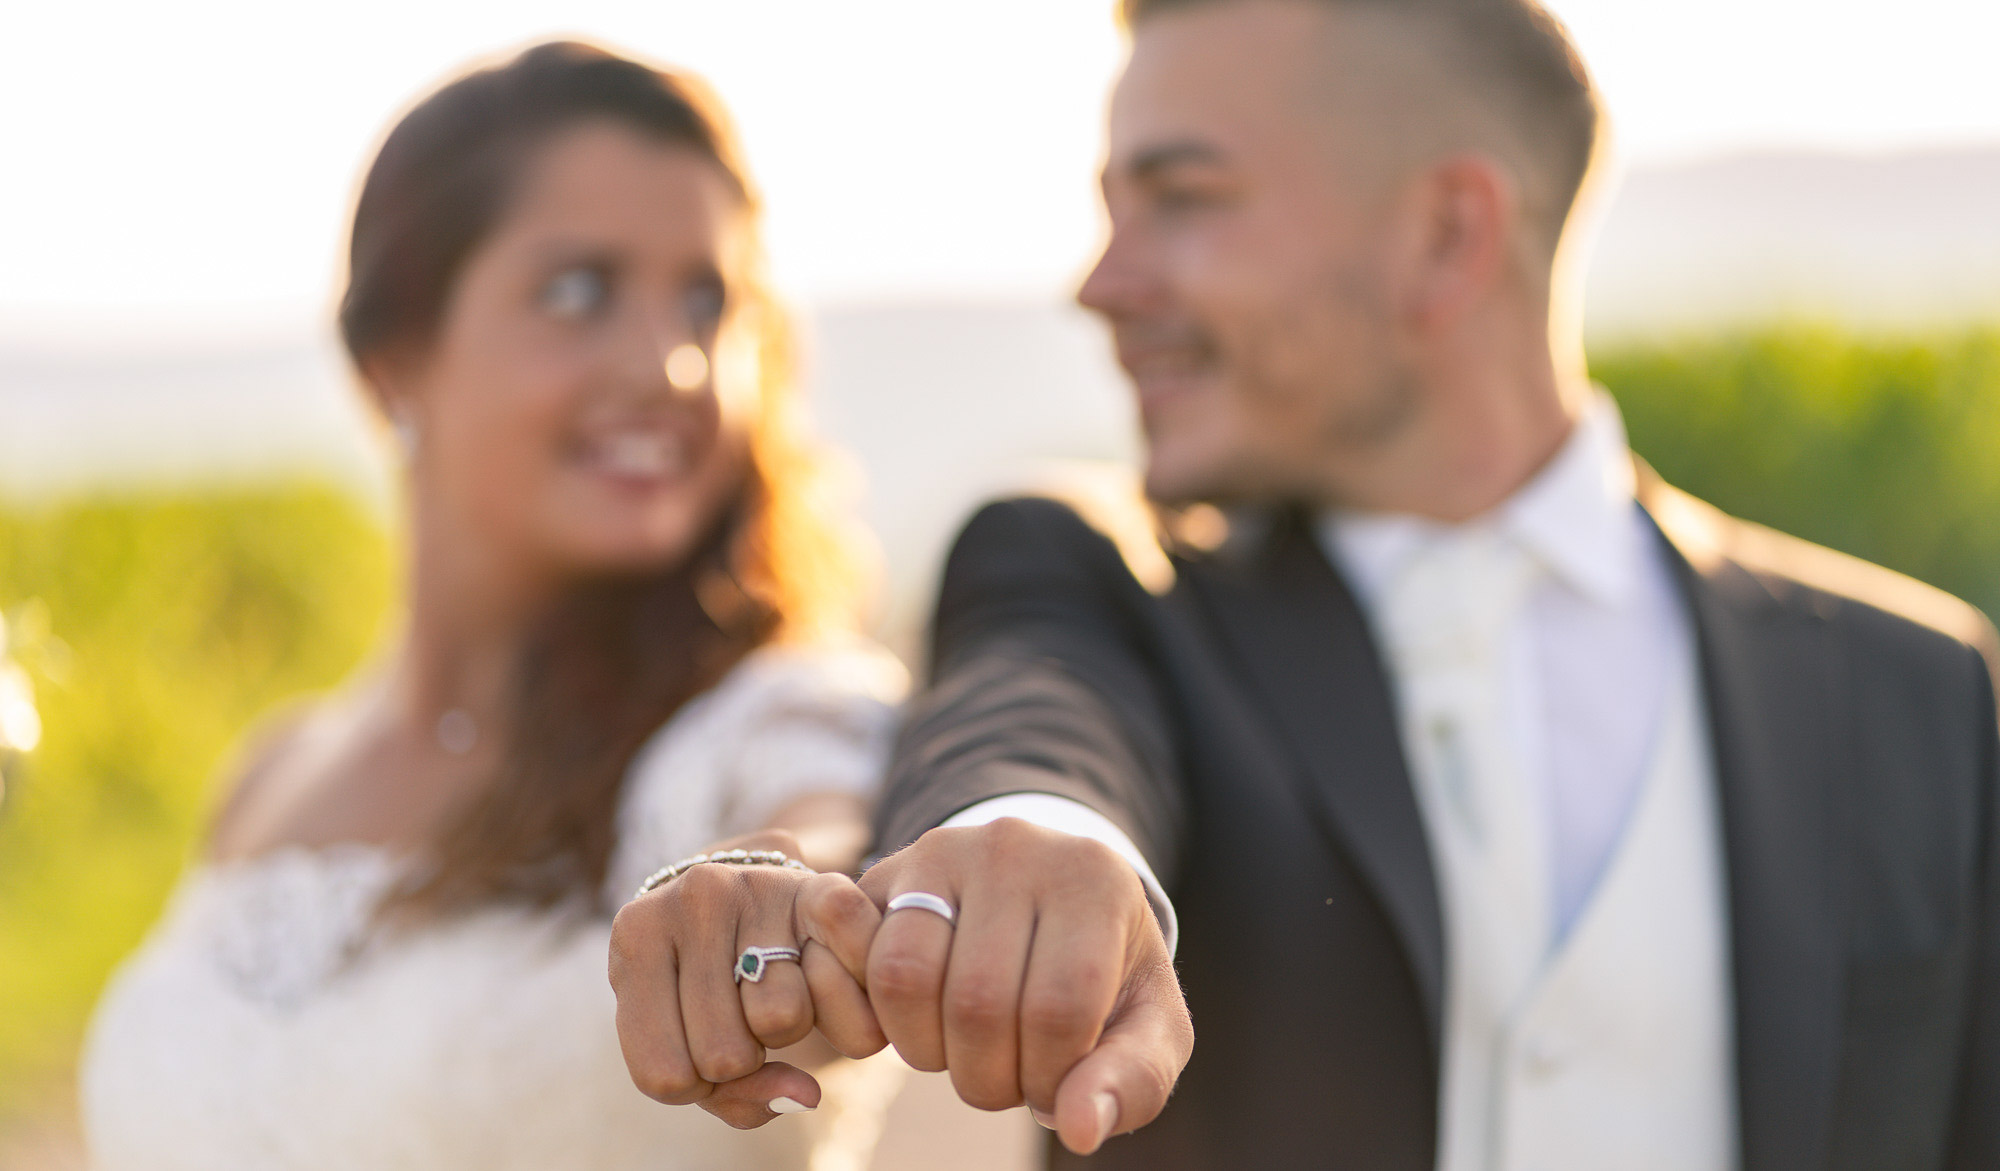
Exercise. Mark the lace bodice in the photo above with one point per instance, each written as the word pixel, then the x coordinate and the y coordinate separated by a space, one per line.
pixel 262 1025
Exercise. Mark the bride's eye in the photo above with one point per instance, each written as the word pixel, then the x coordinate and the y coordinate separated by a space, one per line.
pixel 705 303
pixel 574 294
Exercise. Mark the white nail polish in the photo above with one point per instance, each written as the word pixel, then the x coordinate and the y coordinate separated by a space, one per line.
pixel 1045 1121
pixel 1106 1105
pixel 788 1106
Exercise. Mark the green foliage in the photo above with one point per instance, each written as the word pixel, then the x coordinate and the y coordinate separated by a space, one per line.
pixel 1888 449
pixel 174 622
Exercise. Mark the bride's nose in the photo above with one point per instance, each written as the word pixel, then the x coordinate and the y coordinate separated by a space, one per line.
pixel 662 354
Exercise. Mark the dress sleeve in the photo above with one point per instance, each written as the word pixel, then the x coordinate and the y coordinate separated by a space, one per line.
pixel 788 720
pixel 808 720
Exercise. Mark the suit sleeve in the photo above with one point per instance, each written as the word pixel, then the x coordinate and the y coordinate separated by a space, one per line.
pixel 1976 1139
pixel 1043 681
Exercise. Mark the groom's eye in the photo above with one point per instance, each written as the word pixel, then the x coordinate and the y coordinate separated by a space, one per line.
pixel 1176 198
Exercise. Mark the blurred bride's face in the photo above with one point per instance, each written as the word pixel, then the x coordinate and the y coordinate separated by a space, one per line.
pixel 579 407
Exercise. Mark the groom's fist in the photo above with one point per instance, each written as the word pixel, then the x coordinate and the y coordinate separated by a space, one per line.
pixel 1052 987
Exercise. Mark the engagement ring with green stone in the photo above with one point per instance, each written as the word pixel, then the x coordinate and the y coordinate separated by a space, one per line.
pixel 751 964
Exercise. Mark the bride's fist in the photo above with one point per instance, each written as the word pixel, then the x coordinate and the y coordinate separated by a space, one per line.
pixel 725 961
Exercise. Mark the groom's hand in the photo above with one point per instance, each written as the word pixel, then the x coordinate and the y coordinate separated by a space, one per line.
pixel 691 1033
pixel 1054 987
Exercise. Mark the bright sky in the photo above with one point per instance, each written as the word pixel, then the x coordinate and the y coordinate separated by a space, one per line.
pixel 194 160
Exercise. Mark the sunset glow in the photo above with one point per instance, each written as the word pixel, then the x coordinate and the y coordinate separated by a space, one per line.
pixel 195 161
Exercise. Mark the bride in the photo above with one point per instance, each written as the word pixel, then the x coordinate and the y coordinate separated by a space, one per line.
pixel 626 640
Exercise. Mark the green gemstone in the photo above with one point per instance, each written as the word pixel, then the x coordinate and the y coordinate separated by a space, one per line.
pixel 751 963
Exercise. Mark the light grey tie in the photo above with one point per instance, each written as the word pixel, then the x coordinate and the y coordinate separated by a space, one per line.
pixel 1447 619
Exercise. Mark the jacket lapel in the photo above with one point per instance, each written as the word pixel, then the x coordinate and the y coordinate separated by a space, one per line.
pixel 1300 640
pixel 1771 673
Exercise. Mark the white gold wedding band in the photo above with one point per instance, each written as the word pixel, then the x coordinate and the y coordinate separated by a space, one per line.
pixel 924 901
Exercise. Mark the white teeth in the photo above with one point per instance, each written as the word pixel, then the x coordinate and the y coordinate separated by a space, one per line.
pixel 649 455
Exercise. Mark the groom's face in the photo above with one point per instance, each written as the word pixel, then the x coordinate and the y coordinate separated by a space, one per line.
pixel 1251 278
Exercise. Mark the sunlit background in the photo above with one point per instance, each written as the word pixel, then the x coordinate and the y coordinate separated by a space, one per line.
pixel 193 162
pixel 1796 293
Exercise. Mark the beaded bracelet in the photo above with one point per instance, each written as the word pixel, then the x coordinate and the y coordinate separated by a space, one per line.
pixel 660 878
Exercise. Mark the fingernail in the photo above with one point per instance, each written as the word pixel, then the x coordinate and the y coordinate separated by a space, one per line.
pixel 1106 1105
pixel 1045 1121
pixel 788 1106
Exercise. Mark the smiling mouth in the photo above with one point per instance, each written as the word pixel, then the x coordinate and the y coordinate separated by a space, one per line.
pixel 1158 354
pixel 637 455
pixel 1164 364
pixel 1164 373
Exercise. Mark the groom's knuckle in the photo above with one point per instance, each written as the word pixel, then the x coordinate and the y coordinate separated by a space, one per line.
pixel 849 905
pixel 1088 969
pixel 1056 1015
pixel 981 1002
pixel 1011 838
pixel 946 840
pixel 840 904
pixel 902 975
pixel 985 1091
pixel 1092 864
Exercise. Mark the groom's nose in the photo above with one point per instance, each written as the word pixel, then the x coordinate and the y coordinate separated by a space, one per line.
pixel 1122 283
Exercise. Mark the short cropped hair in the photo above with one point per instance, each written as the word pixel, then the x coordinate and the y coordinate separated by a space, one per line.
pixel 1515 56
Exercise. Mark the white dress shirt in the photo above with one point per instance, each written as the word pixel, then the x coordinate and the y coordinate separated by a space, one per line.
pixel 1550 709
pixel 1587 654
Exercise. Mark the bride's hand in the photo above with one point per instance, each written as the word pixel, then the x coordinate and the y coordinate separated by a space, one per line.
pixel 692 1033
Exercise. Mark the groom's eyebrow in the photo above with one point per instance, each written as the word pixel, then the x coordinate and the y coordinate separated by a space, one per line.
pixel 1155 160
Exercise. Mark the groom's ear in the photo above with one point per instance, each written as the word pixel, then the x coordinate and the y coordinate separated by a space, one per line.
pixel 1464 229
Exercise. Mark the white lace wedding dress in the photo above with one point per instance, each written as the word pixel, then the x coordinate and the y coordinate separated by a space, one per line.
pixel 261 1028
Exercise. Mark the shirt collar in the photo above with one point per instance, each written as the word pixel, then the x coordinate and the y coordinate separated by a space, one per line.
pixel 1577 517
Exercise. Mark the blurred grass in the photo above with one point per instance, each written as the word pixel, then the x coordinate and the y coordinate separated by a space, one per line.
pixel 1886 448
pixel 180 618
pixel 187 614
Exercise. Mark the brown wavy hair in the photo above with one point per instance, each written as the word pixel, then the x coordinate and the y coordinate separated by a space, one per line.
pixel 618 655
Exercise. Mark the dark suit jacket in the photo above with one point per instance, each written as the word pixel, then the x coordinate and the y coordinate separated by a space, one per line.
pixel 1235 720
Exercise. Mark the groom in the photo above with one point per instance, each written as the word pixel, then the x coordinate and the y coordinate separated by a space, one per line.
pixel 1511 808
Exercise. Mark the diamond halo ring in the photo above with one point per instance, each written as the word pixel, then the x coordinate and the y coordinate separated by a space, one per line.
pixel 754 961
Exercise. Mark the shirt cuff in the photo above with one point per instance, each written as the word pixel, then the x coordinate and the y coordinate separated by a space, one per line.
pixel 1074 817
